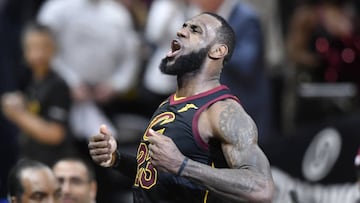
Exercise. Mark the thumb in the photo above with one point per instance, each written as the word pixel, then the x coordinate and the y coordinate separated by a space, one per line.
pixel 152 132
pixel 104 130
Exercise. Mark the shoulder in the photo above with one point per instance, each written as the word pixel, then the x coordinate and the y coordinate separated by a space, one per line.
pixel 52 12
pixel 245 10
pixel 57 83
pixel 229 121
pixel 57 5
pixel 243 16
pixel 116 11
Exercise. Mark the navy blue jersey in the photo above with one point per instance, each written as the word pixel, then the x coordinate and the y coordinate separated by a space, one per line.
pixel 178 118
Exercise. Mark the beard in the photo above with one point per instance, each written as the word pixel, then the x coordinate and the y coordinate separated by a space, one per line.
pixel 185 64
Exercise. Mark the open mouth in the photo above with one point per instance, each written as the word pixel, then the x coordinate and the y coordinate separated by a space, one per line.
pixel 175 49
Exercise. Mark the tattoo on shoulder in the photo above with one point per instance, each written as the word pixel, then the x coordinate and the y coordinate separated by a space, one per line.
pixel 236 124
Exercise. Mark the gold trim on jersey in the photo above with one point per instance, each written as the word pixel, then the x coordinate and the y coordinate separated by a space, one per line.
pixel 147 175
pixel 161 119
pixel 187 107
pixel 178 98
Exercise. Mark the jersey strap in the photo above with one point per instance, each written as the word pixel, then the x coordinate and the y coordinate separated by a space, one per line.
pixel 195 121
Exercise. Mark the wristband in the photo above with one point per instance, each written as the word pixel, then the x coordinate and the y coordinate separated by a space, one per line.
pixel 115 158
pixel 183 164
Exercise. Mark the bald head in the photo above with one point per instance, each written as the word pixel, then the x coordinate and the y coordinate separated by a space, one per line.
pixel 32 181
pixel 224 34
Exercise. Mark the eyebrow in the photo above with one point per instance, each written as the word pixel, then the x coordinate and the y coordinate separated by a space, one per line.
pixel 197 26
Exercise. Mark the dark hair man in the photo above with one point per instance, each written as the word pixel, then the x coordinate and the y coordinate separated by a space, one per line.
pixel 200 146
pixel 33 182
pixel 77 180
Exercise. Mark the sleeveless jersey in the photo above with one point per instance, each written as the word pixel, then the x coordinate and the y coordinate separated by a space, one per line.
pixel 178 119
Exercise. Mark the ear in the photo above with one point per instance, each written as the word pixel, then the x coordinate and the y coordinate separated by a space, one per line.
pixel 93 189
pixel 218 51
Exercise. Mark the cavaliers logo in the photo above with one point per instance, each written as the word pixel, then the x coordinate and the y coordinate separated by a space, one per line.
pixel 147 174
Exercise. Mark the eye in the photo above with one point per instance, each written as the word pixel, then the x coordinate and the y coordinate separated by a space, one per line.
pixel 194 28
pixel 38 196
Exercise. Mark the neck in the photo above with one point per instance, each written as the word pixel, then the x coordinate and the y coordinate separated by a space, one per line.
pixel 41 72
pixel 196 82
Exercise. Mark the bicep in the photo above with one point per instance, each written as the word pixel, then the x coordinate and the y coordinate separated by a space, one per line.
pixel 238 135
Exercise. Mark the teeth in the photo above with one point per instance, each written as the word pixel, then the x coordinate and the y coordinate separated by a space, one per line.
pixel 175 45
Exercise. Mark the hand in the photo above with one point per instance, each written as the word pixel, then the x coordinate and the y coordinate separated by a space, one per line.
pixel 164 153
pixel 80 93
pixel 13 104
pixel 103 92
pixel 102 147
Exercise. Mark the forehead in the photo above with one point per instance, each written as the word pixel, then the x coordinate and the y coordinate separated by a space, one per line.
pixel 39 179
pixel 206 21
pixel 37 35
pixel 70 168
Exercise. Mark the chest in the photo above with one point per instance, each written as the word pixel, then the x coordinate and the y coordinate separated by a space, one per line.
pixel 179 123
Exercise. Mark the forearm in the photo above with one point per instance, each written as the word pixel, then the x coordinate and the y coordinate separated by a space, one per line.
pixel 46 132
pixel 126 164
pixel 234 185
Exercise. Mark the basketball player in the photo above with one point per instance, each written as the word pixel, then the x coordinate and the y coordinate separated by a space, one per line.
pixel 201 145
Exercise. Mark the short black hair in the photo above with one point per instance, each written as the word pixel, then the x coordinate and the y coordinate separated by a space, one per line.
pixel 88 166
pixel 15 187
pixel 34 26
pixel 225 35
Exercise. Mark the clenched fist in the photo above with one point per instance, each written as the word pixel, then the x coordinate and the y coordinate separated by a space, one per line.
pixel 102 147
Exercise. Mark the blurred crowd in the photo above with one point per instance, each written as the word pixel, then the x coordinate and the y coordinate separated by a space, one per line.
pixel 67 66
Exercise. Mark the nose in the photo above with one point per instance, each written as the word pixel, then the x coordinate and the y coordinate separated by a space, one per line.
pixel 182 33
pixel 52 200
pixel 65 187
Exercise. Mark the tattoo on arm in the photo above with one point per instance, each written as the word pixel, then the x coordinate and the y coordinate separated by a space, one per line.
pixel 249 175
pixel 236 125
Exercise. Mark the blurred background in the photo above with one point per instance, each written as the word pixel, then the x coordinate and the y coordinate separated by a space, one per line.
pixel 296 70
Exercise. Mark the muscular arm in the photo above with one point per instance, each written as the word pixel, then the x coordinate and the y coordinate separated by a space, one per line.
pixel 249 177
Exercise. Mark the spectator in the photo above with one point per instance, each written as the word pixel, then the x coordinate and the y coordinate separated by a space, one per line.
pixel 245 74
pixel 32 181
pixel 164 19
pixel 41 113
pixel 77 180
pixel 98 53
pixel 13 15
pixel 268 12
pixel 322 44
